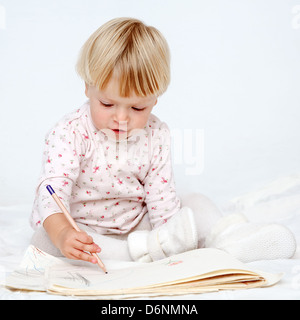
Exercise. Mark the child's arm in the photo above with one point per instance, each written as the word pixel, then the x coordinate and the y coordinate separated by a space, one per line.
pixel 63 145
pixel 60 168
pixel 161 198
pixel 70 242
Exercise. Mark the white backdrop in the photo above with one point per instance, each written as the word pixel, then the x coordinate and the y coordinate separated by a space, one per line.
pixel 235 85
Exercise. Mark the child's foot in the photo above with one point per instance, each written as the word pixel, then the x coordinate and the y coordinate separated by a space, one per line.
pixel 177 235
pixel 252 241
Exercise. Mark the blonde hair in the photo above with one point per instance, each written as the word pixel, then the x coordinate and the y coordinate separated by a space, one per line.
pixel 124 47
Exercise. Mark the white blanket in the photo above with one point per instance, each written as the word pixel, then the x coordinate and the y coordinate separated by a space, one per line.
pixel 278 202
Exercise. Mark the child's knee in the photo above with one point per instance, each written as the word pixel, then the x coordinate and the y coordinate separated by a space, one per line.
pixel 199 203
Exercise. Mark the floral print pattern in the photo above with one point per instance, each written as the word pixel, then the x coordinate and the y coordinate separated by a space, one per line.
pixel 105 183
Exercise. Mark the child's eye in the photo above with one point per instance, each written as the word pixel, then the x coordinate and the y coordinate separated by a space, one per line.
pixel 138 109
pixel 106 104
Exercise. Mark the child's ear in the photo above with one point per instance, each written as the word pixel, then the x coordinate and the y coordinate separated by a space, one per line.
pixel 87 90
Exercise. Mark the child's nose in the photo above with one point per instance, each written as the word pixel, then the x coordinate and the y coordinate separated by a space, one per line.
pixel 121 115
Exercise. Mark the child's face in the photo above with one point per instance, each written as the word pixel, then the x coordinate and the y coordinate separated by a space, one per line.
pixel 119 114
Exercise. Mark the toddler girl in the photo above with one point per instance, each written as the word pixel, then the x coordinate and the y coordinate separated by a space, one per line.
pixel 109 162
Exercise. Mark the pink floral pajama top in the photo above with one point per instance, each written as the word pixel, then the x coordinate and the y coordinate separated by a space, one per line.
pixel 106 184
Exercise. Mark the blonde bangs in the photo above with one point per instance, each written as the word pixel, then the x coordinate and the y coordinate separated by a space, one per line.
pixel 136 54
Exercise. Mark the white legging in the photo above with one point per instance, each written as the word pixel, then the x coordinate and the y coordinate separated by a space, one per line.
pixel 115 247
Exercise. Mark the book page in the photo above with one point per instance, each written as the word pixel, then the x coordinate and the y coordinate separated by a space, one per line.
pixel 197 271
pixel 189 266
pixel 31 271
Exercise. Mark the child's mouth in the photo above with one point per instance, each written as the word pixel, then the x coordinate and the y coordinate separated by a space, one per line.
pixel 118 131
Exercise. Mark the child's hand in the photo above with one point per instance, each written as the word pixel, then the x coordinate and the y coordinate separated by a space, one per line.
pixel 73 245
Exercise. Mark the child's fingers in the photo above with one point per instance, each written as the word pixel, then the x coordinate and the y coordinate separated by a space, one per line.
pixel 81 255
pixel 83 237
pixel 83 247
pixel 92 248
pixel 84 242
pixel 80 246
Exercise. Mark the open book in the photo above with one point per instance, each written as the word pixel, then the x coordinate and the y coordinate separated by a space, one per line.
pixel 197 271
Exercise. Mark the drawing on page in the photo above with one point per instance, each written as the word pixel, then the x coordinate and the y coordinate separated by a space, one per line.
pixel 87 277
pixel 37 260
pixel 77 277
